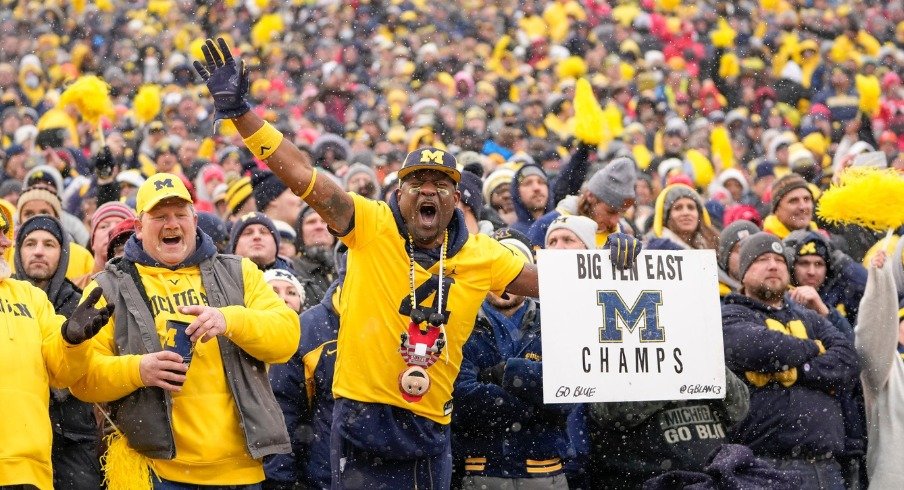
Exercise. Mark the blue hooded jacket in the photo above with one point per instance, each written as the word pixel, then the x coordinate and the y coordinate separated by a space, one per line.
pixel 307 402
pixel 525 218
pixel 507 423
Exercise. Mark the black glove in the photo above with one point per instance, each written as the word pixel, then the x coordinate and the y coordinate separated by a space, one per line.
pixel 493 374
pixel 226 80
pixel 623 250
pixel 86 320
pixel 104 164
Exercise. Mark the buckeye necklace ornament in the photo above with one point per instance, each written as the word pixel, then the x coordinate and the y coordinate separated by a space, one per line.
pixel 422 344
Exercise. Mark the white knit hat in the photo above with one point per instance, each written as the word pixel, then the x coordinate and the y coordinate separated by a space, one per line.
pixel 284 275
pixel 582 226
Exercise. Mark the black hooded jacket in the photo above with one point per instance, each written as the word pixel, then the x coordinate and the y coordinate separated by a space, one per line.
pixel 71 418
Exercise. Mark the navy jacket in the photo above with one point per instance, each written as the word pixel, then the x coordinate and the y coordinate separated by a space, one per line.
pixel 507 424
pixel 304 389
pixel 789 417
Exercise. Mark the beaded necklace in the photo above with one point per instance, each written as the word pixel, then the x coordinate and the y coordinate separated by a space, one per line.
pixel 436 319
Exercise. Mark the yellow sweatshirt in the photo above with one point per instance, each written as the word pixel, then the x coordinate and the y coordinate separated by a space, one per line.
pixel 33 357
pixel 210 444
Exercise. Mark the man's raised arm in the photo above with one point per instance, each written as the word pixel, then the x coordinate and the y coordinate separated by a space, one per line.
pixel 227 81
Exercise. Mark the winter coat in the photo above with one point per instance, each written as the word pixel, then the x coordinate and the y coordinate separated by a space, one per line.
pixel 793 379
pixel 504 430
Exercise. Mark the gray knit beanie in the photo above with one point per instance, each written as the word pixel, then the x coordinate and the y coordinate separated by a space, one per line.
pixel 756 245
pixel 614 183
pixel 732 234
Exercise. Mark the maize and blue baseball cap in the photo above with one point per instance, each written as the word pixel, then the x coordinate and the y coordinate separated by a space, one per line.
pixel 430 159
pixel 157 188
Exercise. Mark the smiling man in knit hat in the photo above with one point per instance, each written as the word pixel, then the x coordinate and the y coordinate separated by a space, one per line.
pixel 214 423
pixel 793 361
pixel 255 237
pixel 792 206
pixel 818 267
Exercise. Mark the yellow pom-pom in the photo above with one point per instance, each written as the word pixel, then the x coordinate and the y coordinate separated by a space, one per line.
pixel 769 5
pixel 869 90
pixel 104 5
pixel 729 66
pixel 124 468
pixel 588 115
pixel 262 4
pixel 702 167
pixel 78 6
pixel 91 96
pixel 227 128
pixel 207 147
pixel 160 7
pixel 195 49
pixel 721 147
pixel 669 5
pixel 147 103
pixel 571 67
pixel 265 29
pixel 627 71
pixel 723 36
pixel 866 196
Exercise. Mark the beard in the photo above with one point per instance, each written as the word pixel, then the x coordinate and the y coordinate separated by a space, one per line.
pixel 766 294
pixel 503 304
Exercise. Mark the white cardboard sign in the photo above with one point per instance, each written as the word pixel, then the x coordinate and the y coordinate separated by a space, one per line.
pixel 650 333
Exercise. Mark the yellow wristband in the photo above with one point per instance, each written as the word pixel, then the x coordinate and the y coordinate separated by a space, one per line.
pixel 264 141
pixel 310 187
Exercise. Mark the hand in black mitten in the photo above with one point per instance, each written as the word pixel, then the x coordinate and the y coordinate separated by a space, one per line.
pixel 104 164
pixel 623 250
pixel 86 320
pixel 226 79
pixel 493 374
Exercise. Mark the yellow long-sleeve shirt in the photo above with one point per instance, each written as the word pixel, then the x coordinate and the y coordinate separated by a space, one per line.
pixel 210 443
pixel 33 357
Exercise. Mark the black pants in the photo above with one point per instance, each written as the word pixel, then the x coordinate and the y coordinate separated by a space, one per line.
pixel 75 465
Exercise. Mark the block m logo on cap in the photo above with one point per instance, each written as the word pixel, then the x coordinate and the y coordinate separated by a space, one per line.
pixel 160 184
pixel 435 156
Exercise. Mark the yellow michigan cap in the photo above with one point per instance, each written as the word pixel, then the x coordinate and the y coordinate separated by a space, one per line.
pixel 157 188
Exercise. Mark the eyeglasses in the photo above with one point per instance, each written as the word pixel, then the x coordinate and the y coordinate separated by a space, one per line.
pixel 443 189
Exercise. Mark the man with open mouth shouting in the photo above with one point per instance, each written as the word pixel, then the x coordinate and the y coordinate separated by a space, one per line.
pixel 414 283
pixel 180 304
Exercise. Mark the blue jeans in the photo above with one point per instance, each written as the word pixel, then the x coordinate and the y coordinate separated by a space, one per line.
pixel 814 475
pixel 162 484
